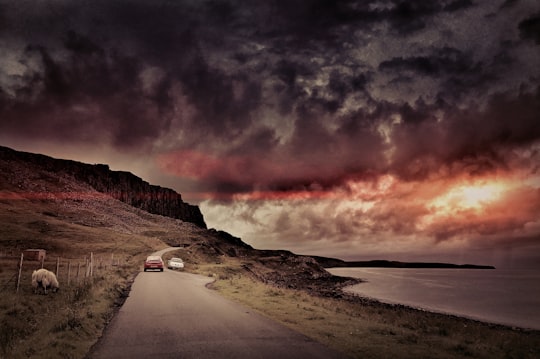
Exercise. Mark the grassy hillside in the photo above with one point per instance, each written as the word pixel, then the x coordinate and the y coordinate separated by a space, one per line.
pixel 71 221
pixel 68 322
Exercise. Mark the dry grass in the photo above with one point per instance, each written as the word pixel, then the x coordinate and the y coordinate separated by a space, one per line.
pixel 373 330
pixel 63 324
pixel 66 324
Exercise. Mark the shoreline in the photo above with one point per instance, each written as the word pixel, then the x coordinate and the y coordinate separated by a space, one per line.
pixel 336 287
pixel 364 327
pixel 508 298
pixel 364 300
pixel 338 290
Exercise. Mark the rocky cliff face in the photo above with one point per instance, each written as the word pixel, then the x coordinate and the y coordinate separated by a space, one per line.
pixel 123 186
pixel 78 188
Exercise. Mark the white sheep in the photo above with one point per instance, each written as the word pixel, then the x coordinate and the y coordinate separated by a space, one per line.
pixel 43 278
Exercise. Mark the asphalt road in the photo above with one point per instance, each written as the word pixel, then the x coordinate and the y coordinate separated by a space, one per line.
pixel 173 315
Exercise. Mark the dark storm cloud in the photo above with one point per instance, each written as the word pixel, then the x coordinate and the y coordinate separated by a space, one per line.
pixel 93 79
pixel 467 139
pixel 407 17
pixel 316 18
pixel 325 89
pixel 445 61
pixel 82 98
pixel 530 28
pixel 509 3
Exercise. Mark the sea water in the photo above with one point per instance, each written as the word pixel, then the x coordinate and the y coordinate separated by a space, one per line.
pixel 510 297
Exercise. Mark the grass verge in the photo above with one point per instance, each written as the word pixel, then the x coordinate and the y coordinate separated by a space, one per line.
pixel 369 329
pixel 63 324
pixel 66 324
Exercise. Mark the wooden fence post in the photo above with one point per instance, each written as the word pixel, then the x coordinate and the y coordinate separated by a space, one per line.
pixel 20 270
pixel 57 267
pixel 78 270
pixel 87 268
pixel 91 264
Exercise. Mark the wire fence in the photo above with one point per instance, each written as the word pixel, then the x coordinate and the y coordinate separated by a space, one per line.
pixel 68 271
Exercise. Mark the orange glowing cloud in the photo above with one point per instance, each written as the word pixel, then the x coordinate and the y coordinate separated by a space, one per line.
pixel 253 172
pixel 470 196
pixel 205 167
pixel 487 205
pixel 352 190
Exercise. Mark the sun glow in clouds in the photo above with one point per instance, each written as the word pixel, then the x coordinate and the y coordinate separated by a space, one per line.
pixel 461 201
pixel 470 196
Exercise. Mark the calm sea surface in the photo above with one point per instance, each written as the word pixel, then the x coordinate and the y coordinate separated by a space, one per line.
pixel 509 297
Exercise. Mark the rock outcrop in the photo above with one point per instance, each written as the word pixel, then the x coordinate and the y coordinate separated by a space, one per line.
pixel 44 178
pixel 123 186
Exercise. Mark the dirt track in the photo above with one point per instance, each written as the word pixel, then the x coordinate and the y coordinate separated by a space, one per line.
pixel 173 315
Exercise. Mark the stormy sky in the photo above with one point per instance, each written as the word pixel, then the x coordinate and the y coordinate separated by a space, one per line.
pixel 405 130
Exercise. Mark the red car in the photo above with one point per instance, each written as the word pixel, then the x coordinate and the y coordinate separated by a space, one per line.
pixel 153 262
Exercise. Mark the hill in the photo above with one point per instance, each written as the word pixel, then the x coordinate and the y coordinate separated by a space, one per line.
pixel 40 175
pixel 66 206
pixel 77 211
pixel 69 207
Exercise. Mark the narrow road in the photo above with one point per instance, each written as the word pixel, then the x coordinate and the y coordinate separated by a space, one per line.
pixel 173 315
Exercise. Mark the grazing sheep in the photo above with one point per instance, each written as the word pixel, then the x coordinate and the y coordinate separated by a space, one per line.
pixel 43 278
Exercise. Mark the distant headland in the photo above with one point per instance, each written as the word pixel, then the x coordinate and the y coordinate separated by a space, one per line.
pixel 381 263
